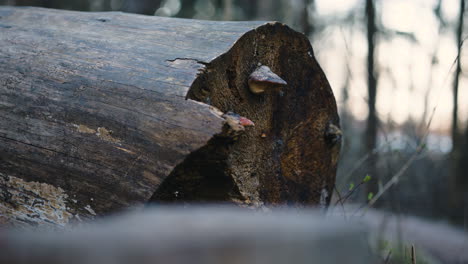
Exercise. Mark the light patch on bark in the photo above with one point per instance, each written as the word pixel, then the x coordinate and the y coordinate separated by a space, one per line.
pixel 101 132
pixel 105 134
pixel 85 129
pixel 126 150
pixel 25 203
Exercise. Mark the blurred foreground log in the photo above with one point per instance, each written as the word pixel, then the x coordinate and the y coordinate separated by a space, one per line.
pixel 99 111
pixel 435 241
pixel 194 235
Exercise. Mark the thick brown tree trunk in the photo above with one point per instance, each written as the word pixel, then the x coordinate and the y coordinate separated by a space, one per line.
pixel 99 111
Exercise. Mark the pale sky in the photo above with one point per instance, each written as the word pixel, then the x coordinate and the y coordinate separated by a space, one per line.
pixel 404 67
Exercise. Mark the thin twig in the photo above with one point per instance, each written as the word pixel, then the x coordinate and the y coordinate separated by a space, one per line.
pixel 349 193
pixel 402 170
pixel 387 259
pixel 394 179
pixel 364 158
pixel 340 201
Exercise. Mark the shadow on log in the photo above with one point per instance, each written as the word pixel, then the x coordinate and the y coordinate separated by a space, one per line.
pixel 100 111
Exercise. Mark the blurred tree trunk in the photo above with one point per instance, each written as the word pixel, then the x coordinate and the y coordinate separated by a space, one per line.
pixel 458 182
pixel 372 122
pixel 455 132
pixel 42 3
pixel 463 163
pixel 144 7
pixel 227 10
pixel 187 9
pixel 345 112
pixel 307 26
pixel 106 5
pixel 458 185
pixel 82 5
pixel 269 10
pixel 250 8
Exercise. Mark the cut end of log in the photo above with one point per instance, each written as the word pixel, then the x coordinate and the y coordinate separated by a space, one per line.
pixel 286 158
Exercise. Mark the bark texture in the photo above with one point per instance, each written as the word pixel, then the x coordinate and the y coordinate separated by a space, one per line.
pixel 100 111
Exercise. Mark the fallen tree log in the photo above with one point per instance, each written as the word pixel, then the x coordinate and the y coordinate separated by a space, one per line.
pixel 99 111
pixel 208 235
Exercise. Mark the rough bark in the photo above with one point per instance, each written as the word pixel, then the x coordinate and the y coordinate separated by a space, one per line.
pixel 100 111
